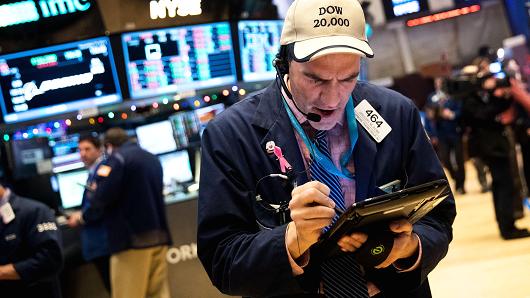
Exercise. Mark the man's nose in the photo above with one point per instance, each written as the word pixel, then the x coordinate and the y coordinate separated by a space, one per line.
pixel 331 96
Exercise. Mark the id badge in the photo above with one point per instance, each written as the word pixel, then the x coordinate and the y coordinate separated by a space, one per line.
pixel 372 121
pixel 7 213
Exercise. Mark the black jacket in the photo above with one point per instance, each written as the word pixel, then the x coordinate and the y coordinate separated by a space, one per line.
pixel 487 137
pixel 129 199
pixel 242 245
pixel 32 243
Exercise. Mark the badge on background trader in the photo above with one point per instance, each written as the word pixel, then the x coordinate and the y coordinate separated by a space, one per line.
pixel 7 213
pixel 104 171
pixel 370 119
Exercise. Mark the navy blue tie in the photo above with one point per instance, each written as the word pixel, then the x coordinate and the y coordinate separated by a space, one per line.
pixel 342 276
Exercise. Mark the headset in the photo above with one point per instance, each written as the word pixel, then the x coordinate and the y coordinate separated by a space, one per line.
pixel 281 65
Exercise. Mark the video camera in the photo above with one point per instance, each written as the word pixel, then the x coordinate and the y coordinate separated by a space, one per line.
pixel 470 80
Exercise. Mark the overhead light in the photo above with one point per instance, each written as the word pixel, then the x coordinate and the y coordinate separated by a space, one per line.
pixel 443 15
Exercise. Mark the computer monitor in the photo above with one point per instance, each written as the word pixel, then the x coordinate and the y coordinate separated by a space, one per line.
pixel 157 137
pixel 57 79
pixel 71 187
pixel 66 155
pixel 259 42
pixel 25 156
pixel 186 126
pixel 176 168
pixel 176 59
pixel 206 114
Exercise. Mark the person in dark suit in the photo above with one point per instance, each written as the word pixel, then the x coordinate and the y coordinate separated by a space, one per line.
pixel 255 230
pixel 94 238
pixel 488 138
pixel 30 248
pixel 447 111
pixel 128 198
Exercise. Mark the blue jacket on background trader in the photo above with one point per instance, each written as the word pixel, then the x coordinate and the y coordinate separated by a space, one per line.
pixel 94 240
pixel 30 248
pixel 242 243
pixel 128 197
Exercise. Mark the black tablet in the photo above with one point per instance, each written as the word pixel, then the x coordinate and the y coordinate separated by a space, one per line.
pixel 377 212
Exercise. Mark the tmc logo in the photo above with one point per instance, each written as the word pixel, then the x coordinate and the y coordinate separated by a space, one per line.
pixel 51 8
pixel 26 11
pixel 378 250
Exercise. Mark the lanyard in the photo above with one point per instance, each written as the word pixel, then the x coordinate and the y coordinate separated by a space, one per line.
pixel 318 156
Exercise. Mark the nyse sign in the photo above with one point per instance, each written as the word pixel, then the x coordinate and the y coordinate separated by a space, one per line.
pixel 171 8
pixel 31 11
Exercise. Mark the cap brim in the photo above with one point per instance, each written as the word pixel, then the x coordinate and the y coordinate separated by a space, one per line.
pixel 311 49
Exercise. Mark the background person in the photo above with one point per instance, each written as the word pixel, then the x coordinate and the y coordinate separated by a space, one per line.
pixel 94 238
pixel 30 248
pixel 128 197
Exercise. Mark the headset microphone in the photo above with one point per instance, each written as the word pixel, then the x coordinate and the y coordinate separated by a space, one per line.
pixel 310 116
pixel 279 66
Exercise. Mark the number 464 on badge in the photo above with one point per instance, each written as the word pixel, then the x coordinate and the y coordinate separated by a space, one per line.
pixel 370 119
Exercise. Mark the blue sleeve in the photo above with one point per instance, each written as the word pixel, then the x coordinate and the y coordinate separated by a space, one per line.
pixel 107 190
pixel 229 244
pixel 43 238
pixel 457 108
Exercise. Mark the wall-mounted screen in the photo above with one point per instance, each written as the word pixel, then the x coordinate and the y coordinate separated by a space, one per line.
pixel 71 187
pixel 156 138
pixel 57 79
pixel 460 3
pixel 399 8
pixel 259 42
pixel 178 59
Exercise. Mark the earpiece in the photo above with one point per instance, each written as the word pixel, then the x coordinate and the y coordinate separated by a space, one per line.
pixel 282 68
pixel 280 63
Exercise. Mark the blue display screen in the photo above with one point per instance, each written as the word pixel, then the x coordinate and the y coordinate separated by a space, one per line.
pixel 259 42
pixel 57 79
pixel 399 8
pixel 177 59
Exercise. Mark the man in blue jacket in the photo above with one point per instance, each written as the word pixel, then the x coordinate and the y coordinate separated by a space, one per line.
pixel 30 248
pixel 307 119
pixel 94 239
pixel 128 197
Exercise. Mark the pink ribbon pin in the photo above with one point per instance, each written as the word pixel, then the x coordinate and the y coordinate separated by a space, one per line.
pixel 284 164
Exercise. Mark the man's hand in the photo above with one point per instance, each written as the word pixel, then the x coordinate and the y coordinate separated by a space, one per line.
pixel 508 117
pixel 520 95
pixel 8 272
pixel 75 219
pixel 311 211
pixel 447 114
pixel 406 243
pixel 352 242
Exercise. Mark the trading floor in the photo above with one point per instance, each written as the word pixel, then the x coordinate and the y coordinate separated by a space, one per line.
pixel 479 262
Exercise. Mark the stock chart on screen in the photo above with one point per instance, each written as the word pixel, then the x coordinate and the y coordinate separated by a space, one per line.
pixel 177 59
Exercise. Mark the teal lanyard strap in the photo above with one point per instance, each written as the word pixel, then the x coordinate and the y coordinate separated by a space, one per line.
pixel 319 156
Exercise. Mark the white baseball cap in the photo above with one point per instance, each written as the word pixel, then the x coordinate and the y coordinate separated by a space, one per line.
pixel 321 27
